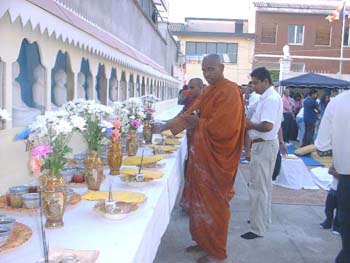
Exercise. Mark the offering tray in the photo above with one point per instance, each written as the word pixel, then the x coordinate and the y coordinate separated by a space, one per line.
pixel 20 234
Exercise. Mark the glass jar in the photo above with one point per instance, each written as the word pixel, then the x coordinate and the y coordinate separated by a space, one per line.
pixel 16 200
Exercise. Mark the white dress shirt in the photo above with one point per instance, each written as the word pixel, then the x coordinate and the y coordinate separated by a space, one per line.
pixel 334 132
pixel 270 109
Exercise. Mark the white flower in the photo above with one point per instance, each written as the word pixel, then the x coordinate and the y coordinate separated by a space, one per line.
pixel 78 122
pixel 106 124
pixel 4 115
pixel 63 127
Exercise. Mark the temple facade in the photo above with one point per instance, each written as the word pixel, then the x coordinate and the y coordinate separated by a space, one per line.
pixel 61 53
pixel 55 51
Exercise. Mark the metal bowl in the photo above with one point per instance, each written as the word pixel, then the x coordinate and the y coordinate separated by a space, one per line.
pixel 4 234
pixel 7 222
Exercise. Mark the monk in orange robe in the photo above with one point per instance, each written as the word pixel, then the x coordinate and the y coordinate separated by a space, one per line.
pixel 214 154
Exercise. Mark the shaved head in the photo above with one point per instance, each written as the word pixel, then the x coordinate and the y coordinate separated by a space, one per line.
pixel 213 68
pixel 195 86
pixel 215 58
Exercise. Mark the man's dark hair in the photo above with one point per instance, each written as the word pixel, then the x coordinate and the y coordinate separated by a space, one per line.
pixel 261 74
pixel 312 92
pixel 185 87
pixel 297 95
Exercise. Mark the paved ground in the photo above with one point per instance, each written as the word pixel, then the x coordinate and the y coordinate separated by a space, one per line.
pixel 294 236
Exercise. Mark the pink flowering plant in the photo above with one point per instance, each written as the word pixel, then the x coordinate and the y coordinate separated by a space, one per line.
pixel 115 133
pixel 49 137
pixel 148 104
pixel 135 114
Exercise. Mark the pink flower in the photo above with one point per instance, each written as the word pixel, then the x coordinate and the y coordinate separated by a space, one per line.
pixel 116 124
pixel 41 151
pixel 135 123
pixel 35 164
pixel 115 134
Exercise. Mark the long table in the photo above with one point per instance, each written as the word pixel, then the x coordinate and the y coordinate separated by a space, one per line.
pixel 134 239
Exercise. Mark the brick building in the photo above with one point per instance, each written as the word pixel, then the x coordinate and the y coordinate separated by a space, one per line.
pixel 314 43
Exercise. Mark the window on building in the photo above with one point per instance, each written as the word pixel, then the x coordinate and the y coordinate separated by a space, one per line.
pixel 149 9
pixel 346 37
pixel 297 67
pixel 190 48
pixel 228 51
pixel 239 27
pixel 323 36
pixel 211 48
pixel 295 34
pixel 201 48
pixel 268 34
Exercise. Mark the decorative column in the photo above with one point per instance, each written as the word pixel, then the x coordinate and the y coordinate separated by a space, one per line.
pixel 119 77
pixel 285 63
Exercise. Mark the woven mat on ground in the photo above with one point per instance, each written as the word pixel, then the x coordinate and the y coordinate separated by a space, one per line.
pixel 282 195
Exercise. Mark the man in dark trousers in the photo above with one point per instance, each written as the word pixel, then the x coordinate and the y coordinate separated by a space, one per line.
pixel 311 111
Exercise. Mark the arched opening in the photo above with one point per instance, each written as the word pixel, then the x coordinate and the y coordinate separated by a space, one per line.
pixel 147 86
pixel 113 86
pixel 143 87
pixel 101 85
pixel 154 92
pixel 131 88
pixel 123 89
pixel 62 80
pixel 151 87
pixel 28 85
pixel 85 80
pixel 29 60
pixel 138 87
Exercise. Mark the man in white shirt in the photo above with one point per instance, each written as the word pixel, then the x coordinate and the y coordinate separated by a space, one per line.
pixel 263 131
pixel 333 134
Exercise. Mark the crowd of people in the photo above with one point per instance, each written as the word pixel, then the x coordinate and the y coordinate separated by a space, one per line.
pixel 302 112
pixel 220 120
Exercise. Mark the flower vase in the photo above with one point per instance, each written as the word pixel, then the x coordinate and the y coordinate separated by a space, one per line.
pixel 132 144
pixel 93 171
pixel 53 197
pixel 115 157
pixel 147 132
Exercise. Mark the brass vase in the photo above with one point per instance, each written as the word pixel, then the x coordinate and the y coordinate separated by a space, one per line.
pixel 93 171
pixel 147 132
pixel 115 157
pixel 53 197
pixel 132 144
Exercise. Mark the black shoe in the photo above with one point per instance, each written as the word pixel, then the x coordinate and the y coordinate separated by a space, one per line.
pixel 248 221
pixel 327 224
pixel 250 235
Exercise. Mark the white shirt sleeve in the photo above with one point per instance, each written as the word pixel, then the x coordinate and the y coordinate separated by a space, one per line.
pixel 323 141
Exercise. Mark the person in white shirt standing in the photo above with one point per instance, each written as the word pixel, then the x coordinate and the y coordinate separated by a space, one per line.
pixel 333 135
pixel 263 131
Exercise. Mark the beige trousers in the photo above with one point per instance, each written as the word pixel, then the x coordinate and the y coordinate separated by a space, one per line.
pixel 262 163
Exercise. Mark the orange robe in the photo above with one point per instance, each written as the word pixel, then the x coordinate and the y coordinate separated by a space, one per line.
pixel 214 154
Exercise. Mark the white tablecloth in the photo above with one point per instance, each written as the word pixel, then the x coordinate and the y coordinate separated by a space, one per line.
pixel 132 240
pixel 295 175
